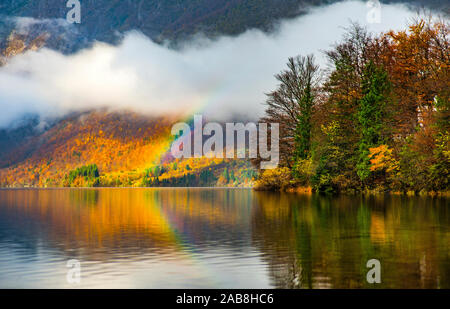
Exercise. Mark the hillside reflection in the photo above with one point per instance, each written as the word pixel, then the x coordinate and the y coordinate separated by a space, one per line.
pixel 121 220
pixel 293 241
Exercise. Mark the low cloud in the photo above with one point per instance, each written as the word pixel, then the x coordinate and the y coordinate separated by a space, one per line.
pixel 219 78
pixel 24 24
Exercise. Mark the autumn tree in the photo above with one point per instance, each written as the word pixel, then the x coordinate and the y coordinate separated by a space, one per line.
pixel 291 105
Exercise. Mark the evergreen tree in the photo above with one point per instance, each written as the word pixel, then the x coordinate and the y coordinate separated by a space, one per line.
pixel 232 178
pixel 303 129
pixel 375 86
pixel 440 169
pixel 226 175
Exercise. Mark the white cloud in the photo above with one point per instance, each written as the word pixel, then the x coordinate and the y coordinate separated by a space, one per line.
pixel 23 24
pixel 221 77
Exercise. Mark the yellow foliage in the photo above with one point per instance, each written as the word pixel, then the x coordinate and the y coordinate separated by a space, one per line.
pixel 278 178
pixel 382 159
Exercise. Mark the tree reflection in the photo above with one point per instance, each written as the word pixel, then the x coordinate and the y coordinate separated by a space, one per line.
pixel 314 241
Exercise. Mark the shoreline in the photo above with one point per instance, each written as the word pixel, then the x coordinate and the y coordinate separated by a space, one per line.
pixel 292 190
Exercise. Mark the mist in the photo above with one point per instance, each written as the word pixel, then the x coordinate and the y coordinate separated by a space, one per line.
pixel 220 78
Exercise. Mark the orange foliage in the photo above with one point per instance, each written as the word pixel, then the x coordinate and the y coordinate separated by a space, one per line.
pixel 122 145
pixel 115 142
pixel 382 159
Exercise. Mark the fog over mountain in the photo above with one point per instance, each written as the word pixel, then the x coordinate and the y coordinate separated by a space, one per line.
pixel 221 77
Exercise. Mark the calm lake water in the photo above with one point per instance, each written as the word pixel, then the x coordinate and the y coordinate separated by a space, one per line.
pixel 220 238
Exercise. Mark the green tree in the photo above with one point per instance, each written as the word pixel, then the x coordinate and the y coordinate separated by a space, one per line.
pixel 226 175
pixel 89 172
pixel 440 168
pixel 305 105
pixel 232 177
pixel 335 144
pixel 375 87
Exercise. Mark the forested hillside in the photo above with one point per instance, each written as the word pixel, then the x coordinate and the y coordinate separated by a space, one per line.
pixel 104 20
pixel 378 121
pixel 101 148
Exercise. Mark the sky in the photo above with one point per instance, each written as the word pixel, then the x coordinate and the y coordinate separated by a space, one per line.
pixel 222 78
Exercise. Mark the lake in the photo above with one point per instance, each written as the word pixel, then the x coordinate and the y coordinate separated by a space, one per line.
pixel 220 238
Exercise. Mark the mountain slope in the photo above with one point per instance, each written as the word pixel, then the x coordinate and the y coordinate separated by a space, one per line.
pixel 117 149
pixel 103 20
pixel 126 148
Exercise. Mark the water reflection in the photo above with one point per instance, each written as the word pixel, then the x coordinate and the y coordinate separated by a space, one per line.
pixel 322 242
pixel 220 238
